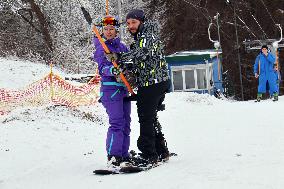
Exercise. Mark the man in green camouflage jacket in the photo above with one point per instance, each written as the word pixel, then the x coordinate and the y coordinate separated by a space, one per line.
pixel 152 79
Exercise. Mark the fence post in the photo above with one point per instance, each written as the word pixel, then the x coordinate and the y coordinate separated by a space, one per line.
pixel 51 82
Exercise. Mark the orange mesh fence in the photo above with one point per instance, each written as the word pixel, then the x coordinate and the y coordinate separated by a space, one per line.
pixel 50 89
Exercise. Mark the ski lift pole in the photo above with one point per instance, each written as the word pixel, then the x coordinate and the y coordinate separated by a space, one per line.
pixel 219 66
pixel 216 45
pixel 218 27
pixel 238 50
pixel 106 49
pixel 275 46
pixel 107 7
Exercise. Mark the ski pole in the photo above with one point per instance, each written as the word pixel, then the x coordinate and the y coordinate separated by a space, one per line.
pixel 106 49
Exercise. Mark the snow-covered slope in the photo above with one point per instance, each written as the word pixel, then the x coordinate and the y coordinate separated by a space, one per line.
pixel 220 144
pixel 18 74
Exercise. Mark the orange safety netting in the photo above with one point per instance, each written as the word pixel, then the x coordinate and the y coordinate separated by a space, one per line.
pixel 51 88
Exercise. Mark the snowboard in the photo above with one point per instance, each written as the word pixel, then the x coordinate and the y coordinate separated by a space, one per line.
pixel 123 170
pixel 129 169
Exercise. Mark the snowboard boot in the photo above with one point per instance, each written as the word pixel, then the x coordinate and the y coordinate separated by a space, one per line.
pixel 162 150
pixel 127 162
pixel 258 98
pixel 142 160
pixel 275 97
pixel 114 162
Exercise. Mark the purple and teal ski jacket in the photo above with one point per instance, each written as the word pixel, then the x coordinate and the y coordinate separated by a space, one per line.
pixel 105 67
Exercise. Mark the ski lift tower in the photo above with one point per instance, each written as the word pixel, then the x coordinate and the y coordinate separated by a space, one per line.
pixel 216 43
pixel 217 46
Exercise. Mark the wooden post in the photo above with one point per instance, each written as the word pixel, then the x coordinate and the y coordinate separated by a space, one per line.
pixel 51 82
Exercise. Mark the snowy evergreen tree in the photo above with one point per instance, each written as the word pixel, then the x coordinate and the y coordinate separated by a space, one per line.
pixel 65 39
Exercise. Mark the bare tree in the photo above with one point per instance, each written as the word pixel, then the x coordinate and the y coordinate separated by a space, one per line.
pixel 42 22
pixel 185 24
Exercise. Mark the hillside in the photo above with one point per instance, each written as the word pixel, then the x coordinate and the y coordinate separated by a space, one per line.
pixel 220 144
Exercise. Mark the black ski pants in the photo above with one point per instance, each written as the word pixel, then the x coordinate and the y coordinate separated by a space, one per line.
pixel 148 100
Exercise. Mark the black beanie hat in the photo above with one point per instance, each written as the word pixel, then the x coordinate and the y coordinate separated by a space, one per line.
pixel 264 46
pixel 136 14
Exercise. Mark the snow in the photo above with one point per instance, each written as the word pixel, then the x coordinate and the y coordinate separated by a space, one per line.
pixel 220 144
pixel 211 52
pixel 19 74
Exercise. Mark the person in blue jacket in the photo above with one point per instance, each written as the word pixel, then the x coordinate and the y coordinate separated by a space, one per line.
pixel 264 70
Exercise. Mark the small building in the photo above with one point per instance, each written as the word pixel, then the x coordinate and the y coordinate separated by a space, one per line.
pixel 196 71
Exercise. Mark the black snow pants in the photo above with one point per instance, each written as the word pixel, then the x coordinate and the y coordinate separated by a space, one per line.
pixel 149 100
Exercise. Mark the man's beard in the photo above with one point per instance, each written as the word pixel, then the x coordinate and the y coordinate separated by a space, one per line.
pixel 133 32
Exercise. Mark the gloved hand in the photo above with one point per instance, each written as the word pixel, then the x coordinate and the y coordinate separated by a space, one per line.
pixel 275 67
pixel 256 75
pixel 111 56
pixel 121 68
pixel 129 65
pixel 116 70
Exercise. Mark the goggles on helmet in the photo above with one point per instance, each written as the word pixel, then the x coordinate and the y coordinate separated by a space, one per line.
pixel 109 20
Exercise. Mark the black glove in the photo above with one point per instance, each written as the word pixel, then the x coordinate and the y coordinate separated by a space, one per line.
pixel 119 69
pixel 111 56
pixel 129 65
pixel 116 71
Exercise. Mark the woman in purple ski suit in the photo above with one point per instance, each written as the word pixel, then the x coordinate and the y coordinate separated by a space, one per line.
pixel 112 95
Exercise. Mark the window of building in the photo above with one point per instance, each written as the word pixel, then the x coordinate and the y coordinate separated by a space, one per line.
pixel 189 79
pixel 178 80
pixel 201 78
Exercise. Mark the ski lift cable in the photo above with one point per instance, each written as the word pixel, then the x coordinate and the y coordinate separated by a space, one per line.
pixel 206 17
pixel 265 35
pixel 246 26
pixel 268 12
pixel 198 7
pixel 249 30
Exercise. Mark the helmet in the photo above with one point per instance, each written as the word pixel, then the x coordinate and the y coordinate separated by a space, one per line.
pixel 110 20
